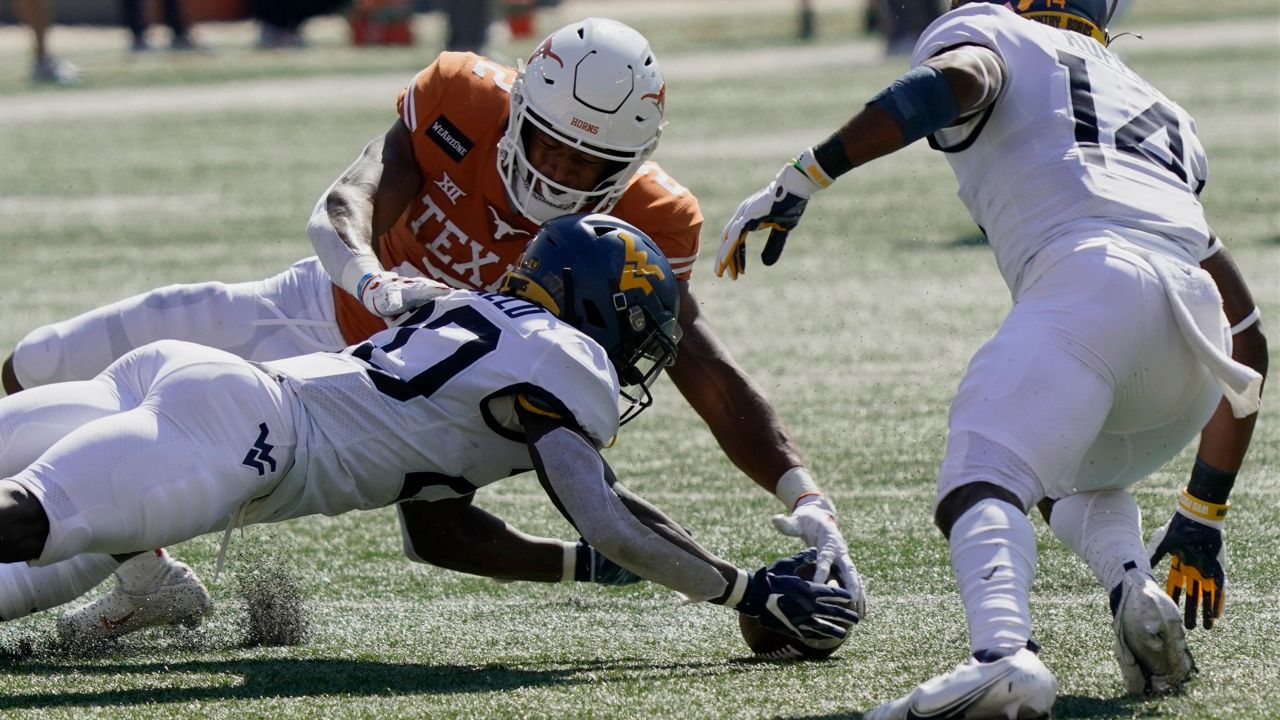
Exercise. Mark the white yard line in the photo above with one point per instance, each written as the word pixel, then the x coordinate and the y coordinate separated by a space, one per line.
pixel 323 92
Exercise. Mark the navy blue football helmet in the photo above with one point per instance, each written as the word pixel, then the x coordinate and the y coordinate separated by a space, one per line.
pixel 1088 17
pixel 609 280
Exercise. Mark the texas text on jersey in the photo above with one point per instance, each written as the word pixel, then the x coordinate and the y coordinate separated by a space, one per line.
pixel 461 229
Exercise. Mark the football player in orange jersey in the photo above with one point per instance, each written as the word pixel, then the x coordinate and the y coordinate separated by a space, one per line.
pixel 479 155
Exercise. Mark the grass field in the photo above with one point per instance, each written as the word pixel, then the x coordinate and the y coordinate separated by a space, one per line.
pixel 167 169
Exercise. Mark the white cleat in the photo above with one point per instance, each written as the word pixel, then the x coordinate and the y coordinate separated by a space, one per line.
pixel 175 596
pixel 1015 687
pixel 1151 645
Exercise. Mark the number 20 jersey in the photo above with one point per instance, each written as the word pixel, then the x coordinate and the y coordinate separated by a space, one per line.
pixel 425 410
pixel 1076 143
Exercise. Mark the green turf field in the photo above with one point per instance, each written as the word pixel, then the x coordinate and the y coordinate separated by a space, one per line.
pixel 201 167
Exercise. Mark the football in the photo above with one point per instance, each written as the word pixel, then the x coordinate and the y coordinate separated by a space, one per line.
pixel 766 644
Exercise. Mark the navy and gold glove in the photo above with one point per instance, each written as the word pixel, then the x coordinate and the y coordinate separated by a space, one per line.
pixel 1195 542
pixel 796 607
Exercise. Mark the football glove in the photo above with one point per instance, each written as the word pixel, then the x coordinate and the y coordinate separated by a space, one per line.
pixel 814 521
pixel 778 206
pixel 790 565
pixel 390 295
pixel 797 608
pixel 593 567
pixel 1196 546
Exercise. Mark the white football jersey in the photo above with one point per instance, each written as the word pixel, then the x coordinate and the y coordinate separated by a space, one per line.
pixel 426 410
pixel 1076 144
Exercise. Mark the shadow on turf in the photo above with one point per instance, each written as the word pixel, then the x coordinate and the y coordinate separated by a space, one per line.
pixel 287 677
pixel 1067 706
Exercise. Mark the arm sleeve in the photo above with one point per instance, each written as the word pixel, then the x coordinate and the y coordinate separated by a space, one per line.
pixel 578 480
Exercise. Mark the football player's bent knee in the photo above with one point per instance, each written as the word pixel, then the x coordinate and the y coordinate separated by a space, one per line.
pixel 958 501
pixel 24 525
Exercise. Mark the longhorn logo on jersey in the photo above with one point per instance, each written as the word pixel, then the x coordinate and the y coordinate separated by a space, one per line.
pixel 502 228
pixel 637 271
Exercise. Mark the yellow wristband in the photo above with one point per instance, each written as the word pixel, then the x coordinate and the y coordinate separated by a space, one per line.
pixel 1202 510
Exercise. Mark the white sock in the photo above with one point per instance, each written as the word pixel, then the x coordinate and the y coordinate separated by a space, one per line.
pixel 1104 528
pixel 993 555
pixel 25 589
pixel 142 570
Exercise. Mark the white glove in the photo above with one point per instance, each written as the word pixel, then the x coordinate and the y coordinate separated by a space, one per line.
pixel 777 206
pixel 390 295
pixel 814 521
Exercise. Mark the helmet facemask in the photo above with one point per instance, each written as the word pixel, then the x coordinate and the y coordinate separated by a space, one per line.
pixel 648 356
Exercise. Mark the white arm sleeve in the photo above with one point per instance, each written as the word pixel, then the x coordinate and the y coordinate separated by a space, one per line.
pixel 344 265
pixel 575 472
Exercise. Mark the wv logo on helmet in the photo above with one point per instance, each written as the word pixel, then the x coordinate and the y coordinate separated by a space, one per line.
pixel 637 271
pixel 259 456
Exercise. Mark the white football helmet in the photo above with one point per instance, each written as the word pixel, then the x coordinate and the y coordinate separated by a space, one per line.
pixel 595 86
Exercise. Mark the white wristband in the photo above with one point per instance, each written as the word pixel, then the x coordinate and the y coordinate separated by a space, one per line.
pixel 795 484
pixel 808 164
pixel 357 267
pixel 739 589
pixel 569 562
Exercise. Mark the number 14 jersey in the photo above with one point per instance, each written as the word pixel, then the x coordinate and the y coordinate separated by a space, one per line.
pixel 426 410
pixel 1075 145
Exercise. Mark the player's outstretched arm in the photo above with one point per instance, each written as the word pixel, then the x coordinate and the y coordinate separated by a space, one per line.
pixel 754 438
pixel 456 535
pixel 360 205
pixel 946 88
pixel 642 539
pixel 1195 539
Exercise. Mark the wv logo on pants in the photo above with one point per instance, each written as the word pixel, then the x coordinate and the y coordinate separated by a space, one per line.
pixel 260 453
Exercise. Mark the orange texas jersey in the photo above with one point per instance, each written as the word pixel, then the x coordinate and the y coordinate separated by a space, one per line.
pixel 461 229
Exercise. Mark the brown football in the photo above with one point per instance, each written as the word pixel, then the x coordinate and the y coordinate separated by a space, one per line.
pixel 766 644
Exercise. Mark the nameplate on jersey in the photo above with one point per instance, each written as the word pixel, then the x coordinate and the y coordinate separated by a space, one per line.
pixel 449 138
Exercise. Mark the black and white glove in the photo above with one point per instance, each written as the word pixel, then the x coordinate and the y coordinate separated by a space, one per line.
pixel 797 608
pixel 1196 545
pixel 778 206
pixel 590 566
pixel 389 295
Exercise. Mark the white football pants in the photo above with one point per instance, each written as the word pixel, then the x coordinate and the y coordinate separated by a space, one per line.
pixel 168 443
pixel 285 315
pixel 1087 385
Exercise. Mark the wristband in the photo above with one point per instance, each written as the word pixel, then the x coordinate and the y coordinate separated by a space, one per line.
pixel 1207 513
pixel 1209 484
pixel 795 486
pixel 807 164
pixel 739 589
pixel 354 272
pixel 569 561
pixel 831 156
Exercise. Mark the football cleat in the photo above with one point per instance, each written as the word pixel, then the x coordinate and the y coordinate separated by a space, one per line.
pixel 1014 687
pixel 175 597
pixel 1151 645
